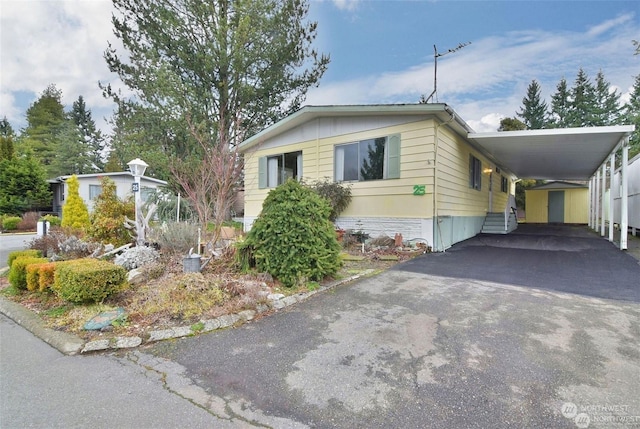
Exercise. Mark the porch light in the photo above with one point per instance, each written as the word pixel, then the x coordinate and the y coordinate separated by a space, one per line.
pixel 137 168
pixel 487 170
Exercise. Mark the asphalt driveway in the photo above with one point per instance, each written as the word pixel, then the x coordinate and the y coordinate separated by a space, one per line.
pixel 530 330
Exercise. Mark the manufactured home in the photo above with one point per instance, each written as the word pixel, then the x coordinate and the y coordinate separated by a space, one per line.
pixel 90 187
pixel 419 169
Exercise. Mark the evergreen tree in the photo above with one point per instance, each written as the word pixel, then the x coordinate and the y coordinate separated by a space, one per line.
pixel 23 186
pixel 206 75
pixel 6 130
pixel 607 108
pixel 73 153
pixel 74 212
pixel 560 105
pixel 6 140
pixel 90 136
pixel 534 111
pixel 45 118
pixel 583 102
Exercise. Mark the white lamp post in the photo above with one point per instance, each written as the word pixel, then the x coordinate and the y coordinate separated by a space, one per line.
pixel 137 168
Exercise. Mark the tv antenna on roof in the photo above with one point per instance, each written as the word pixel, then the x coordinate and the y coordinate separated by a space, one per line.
pixel 436 55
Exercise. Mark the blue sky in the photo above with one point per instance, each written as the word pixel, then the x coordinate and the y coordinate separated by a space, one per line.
pixel 381 51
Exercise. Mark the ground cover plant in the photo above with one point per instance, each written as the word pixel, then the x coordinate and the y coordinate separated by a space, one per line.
pixel 67 281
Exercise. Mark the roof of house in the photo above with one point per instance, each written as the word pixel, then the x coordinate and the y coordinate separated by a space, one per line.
pixel 308 113
pixel 61 179
pixel 552 154
pixel 559 184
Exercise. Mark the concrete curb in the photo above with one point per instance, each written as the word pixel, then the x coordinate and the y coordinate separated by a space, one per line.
pixel 70 344
pixel 66 343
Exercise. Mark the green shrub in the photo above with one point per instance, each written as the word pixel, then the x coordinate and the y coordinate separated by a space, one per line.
pixel 292 239
pixel 10 223
pixel 19 253
pixel 87 282
pixel 18 270
pixel 337 194
pixel 108 216
pixel 46 276
pixel 53 220
pixel 33 276
pixel 176 237
pixel 74 212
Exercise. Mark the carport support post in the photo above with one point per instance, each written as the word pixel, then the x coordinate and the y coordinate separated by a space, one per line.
pixel 603 189
pixel 590 209
pixel 624 197
pixel 597 197
pixel 594 194
pixel 612 171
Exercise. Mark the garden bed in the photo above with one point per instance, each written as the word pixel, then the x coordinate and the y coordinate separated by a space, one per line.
pixel 168 297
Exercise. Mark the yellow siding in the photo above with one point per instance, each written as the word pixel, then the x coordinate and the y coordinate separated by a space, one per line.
pixel 455 197
pixel 536 206
pixel 576 203
pixel 376 198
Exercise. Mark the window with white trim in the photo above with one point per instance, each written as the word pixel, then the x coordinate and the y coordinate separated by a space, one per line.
pixel 274 170
pixel 94 191
pixel 372 159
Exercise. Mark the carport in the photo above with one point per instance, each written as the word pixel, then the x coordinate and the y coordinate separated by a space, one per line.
pixel 584 154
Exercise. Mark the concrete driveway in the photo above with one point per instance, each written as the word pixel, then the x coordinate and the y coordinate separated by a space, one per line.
pixel 536 329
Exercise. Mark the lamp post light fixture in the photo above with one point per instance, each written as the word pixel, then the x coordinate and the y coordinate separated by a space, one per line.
pixel 137 168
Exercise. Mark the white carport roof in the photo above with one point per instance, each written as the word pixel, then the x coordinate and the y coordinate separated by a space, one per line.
pixel 554 154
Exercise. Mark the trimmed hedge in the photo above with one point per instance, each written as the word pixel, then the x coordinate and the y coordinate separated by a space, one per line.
pixel 18 270
pixel 46 276
pixel 85 282
pixel 33 276
pixel 18 253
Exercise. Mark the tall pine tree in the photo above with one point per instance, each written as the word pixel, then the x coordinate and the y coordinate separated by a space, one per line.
pixel 45 118
pixel 534 108
pixel 90 136
pixel 560 105
pixel 583 110
pixel 607 107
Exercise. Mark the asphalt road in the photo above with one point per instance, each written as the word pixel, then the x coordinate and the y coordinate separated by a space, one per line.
pixel 446 340
pixel 42 388
pixel 11 242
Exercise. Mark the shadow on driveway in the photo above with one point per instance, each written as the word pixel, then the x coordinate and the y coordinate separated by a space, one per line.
pixel 569 259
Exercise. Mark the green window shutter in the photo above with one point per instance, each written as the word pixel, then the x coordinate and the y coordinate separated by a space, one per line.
pixel 262 172
pixel 471 172
pixel 393 158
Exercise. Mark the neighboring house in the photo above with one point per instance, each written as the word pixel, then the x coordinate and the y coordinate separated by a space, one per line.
pixel 558 202
pixel 412 170
pixel 90 187
pixel 633 194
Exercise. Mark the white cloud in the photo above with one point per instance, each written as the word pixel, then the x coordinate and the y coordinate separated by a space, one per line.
pixel 59 42
pixel 603 27
pixel 487 80
pixel 349 5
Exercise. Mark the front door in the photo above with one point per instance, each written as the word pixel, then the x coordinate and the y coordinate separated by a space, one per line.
pixel 556 207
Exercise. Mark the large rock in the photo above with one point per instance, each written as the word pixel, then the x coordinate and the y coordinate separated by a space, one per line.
pixel 136 277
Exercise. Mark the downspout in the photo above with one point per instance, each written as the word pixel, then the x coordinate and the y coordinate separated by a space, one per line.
pixel 435 173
